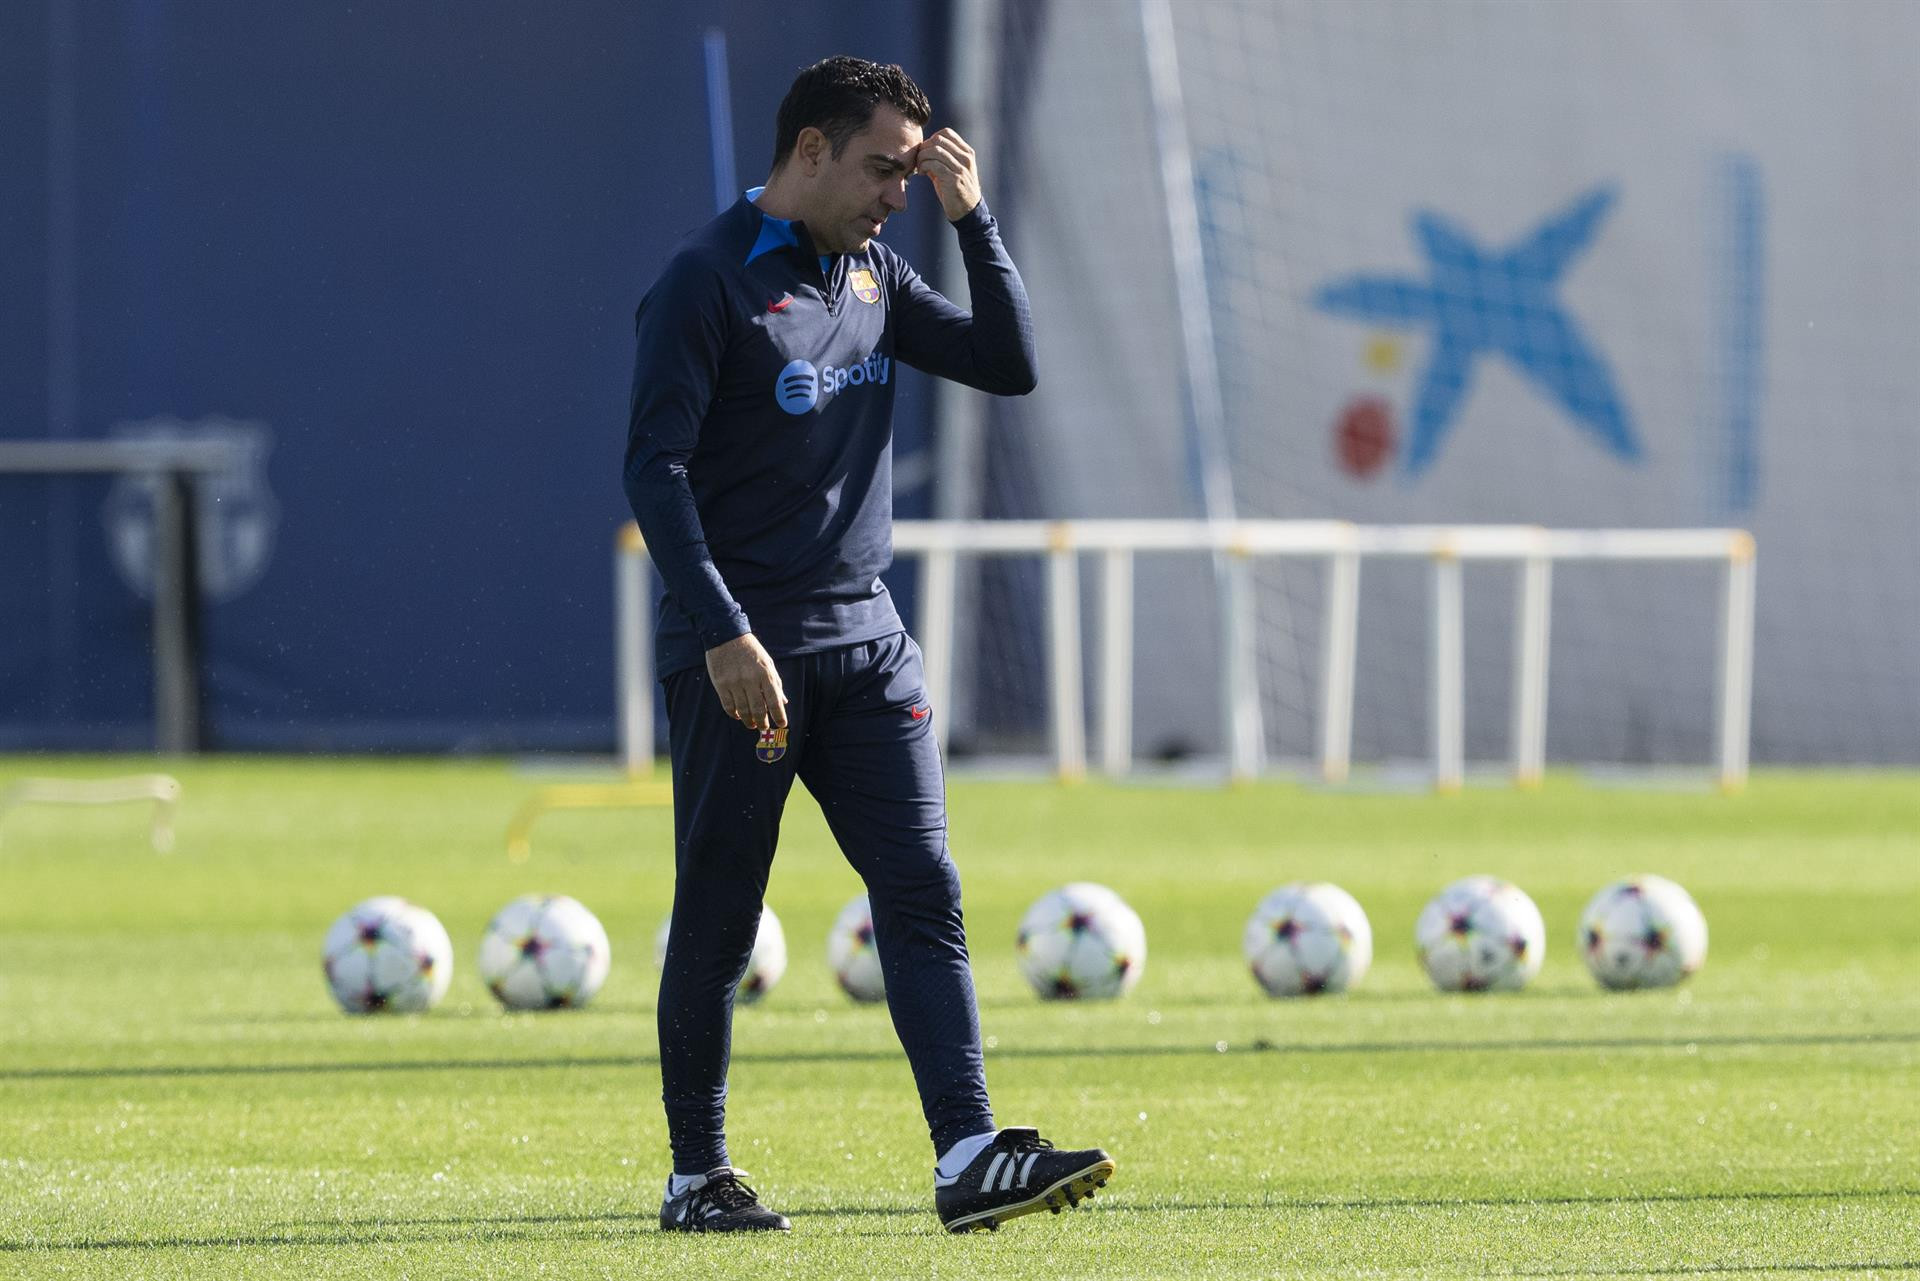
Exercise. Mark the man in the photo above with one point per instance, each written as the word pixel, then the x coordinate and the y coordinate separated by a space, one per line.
pixel 758 467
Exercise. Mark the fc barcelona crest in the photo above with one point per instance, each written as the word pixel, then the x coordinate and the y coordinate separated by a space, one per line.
pixel 865 288
pixel 772 746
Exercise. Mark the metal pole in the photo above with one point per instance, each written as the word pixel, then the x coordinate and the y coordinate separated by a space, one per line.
pixel 1533 612
pixel 719 119
pixel 1191 294
pixel 176 598
pixel 1200 365
pixel 1449 684
pixel 939 581
pixel 1340 638
pixel 959 414
pixel 1736 663
pixel 63 332
pixel 1063 630
pixel 1116 660
pixel 633 651
pixel 1242 687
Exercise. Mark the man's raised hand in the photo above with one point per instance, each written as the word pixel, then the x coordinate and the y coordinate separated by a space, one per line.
pixel 948 162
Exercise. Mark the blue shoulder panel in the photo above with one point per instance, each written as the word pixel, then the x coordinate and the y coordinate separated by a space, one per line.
pixel 775 233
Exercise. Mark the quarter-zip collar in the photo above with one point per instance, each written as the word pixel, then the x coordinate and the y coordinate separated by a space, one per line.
pixel 789 233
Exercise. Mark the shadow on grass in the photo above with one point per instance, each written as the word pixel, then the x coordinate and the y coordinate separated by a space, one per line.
pixel 839 1005
pixel 1169 1206
pixel 1531 997
pixel 1732 1196
pixel 489 1011
pixel 1732 1269
pixel 1018 1004
pixel 1223 1049
pixel 294 1240
pixel 355 1232
pixel 334 1017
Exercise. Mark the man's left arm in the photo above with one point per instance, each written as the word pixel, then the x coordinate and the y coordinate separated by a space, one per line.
pixel 991 347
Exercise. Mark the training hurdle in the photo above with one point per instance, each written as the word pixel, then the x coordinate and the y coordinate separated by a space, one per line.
pixel 161 789
pixel 1340 548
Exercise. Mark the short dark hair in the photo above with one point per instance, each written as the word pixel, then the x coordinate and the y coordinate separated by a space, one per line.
pixel 837 96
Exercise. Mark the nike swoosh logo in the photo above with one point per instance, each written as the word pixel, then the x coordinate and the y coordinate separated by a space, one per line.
pixel 784 302
pixel 918 713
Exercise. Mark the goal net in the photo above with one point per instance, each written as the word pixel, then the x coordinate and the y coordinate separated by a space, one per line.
pixel 1464 261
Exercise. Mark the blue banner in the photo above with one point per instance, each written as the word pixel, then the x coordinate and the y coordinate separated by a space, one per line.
pixel 394 251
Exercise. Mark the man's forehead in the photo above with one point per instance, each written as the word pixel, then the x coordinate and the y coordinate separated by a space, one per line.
pixel 888 134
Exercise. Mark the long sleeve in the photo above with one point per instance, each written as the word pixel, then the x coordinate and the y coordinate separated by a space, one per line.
pixel 681 331
pixel 990 348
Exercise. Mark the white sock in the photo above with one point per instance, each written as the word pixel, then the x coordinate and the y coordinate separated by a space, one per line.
pixel 678 1183
pixel 958 1157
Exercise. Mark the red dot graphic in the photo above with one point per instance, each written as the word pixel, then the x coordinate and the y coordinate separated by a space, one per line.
pixel 1363 435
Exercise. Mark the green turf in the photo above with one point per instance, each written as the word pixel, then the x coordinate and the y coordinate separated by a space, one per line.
pixel 178 1096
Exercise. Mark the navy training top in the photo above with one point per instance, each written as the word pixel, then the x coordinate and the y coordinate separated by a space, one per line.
pixel 758 442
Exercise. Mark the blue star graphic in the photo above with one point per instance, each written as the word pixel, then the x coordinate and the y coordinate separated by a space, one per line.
pixel 1504 303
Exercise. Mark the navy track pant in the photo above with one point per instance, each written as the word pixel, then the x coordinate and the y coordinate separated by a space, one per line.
pixel 860 737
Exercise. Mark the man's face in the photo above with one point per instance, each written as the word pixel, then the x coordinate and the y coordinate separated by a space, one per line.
pixel 855 192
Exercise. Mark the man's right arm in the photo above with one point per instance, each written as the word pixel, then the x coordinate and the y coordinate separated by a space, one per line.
pixel 681 333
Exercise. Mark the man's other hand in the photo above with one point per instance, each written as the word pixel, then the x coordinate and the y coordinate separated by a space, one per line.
pixel 747 682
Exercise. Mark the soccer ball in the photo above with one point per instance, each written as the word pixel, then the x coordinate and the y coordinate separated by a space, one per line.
pixel 1481 934
pixel 851 953
pixel 1308 938
pixel 543 952
pixel 1082 940
pixel 387 954
pixel 1644 931
pixel 764 967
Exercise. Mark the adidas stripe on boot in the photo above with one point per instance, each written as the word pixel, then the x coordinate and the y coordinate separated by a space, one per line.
pixel 1019 1173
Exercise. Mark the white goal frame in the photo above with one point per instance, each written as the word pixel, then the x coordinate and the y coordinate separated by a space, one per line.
pixel 1341 548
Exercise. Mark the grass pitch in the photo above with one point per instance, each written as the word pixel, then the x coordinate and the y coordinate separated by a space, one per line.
pixel 179 1097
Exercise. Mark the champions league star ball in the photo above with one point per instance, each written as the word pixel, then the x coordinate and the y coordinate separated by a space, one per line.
pixel 1644 931
pixel 1481 935
pixel 1081 941
pixel 851 953
pixel 764 967
pixel 387 954
pixel 1305 939
pixel 544 952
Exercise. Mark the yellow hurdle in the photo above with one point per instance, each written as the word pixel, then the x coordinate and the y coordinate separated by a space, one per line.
pixel 579 796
